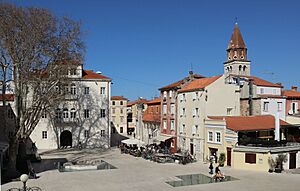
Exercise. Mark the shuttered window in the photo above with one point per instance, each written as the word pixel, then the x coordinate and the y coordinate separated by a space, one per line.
pixel 250 158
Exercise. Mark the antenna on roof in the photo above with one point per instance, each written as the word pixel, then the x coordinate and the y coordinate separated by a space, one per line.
pixel 191 67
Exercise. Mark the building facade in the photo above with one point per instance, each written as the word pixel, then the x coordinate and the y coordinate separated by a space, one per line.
pixel 82 118
pixel 118 111
pixel 168 95
pixel 151 121
pixel 197 100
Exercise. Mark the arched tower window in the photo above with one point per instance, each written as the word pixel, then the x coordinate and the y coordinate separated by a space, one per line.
pixel 244 68
pixel 240 67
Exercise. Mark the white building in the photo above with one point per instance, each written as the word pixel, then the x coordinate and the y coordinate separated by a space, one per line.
pixel 197 100
pixel 82 118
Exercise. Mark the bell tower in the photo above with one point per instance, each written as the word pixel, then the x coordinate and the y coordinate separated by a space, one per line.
pixel 237 62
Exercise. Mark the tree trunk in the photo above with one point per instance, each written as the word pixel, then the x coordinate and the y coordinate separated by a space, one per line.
pixel 12 162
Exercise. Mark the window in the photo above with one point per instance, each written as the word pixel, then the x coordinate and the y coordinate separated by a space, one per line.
pixel 250 158
pixel 152 109
pixel 102 113
pixel 66 89
pixel 229 111
pixel 266 106
pixel 121 102
pixel 156 109
pixel 73 72
pixel 240 66
pixel 294 107
pixel 122 119
pixel 262 90
pixel 218 137
pixel 86 90
pixel 58 113
pixel 172 125
pixel 102 90
pixel 165 94
pixel 181 128
pixel 121 129
pixel 73 113
pixel 210 136
pixel 279 106
pixel 86 113
pixel 195 112
pixel 65 113
pixel 121 110
pixel 183 97
pixel 102 133
pixel 165 124
pixel 170 93
pixel 113 110
pixel 194 130
pixel 86 133
pixel 164 109
pixel 73 89
pixel 44 135
pixel 173 109
pixel 182 112
pixel 44 114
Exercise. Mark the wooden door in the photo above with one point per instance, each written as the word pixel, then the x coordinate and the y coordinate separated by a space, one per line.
pixel 228 156
pixel 292 161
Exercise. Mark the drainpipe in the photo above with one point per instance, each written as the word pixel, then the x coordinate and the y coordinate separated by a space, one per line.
pixel 277 127
pixel 250 97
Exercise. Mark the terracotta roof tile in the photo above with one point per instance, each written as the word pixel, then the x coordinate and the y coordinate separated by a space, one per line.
pixel 90 74
pixel 118 98
pixel 236 40
pixel 9 97
pixel 154 101
pixel 199 83
pixel 142 100
pixel 249 123
pixel 261 82
pixel 291 93
pixel 178 83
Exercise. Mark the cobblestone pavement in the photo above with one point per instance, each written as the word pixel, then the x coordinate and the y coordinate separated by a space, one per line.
pixel 137 174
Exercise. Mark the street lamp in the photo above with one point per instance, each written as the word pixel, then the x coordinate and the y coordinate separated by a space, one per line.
pixel 24 178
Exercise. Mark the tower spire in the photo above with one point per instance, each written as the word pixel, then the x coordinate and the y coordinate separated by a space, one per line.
pixel 237 62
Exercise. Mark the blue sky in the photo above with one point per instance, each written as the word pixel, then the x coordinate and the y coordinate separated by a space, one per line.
pixel 146 44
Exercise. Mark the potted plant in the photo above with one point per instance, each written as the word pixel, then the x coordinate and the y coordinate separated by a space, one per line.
pixel 280 159
pixel 222 159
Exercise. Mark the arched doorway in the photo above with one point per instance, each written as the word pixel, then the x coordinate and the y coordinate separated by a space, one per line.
pixel 66 139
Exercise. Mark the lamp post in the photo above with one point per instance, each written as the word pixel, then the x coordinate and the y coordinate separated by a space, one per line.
pixel 24 178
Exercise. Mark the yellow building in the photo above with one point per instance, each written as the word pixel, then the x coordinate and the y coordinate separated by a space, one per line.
pixel 249 142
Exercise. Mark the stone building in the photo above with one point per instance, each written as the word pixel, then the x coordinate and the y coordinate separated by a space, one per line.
pixel 82 118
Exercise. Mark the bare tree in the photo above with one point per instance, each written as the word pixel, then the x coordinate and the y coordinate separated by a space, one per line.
pixel 37 47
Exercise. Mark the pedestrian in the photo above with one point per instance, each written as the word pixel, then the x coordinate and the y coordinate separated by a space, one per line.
pixel 211 167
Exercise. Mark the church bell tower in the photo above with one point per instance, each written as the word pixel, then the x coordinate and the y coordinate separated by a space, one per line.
pixel 237 63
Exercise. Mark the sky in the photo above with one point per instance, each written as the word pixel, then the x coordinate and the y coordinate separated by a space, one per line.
pixel 146 44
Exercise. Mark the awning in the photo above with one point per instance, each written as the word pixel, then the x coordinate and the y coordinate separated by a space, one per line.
pixel 133 142
pixel 162 138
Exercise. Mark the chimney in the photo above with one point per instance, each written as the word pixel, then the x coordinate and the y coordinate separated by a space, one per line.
pixel 294 88
pixel 277 127
pixel 279 83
